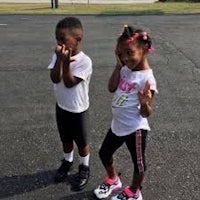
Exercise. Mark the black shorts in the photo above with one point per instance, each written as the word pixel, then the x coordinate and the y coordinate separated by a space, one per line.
pixel 72 126
pixel 136 143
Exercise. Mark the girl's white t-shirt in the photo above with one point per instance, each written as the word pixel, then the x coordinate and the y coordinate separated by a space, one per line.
pixel 125 104
pixel 76 98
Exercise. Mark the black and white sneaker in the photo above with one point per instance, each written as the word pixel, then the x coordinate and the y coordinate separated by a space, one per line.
pixel 63 171
pixel 127 194
pixel 82 179
pixel 106 188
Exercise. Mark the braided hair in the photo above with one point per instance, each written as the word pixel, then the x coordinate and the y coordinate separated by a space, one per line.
pixel 141 37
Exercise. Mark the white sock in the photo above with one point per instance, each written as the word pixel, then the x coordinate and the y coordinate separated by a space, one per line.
pixel 85 160
pixel 69 156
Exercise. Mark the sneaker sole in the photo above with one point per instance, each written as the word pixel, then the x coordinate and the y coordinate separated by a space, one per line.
pixel 111 194
pixel 78 188
pixel 99 198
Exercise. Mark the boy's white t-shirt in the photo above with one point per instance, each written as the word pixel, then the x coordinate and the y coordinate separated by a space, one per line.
pixel 76 98
pixel 125 104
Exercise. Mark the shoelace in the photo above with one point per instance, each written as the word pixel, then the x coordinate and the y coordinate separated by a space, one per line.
pixel 83 173
pixel 104 186
pixel 122 196
pixel 63 166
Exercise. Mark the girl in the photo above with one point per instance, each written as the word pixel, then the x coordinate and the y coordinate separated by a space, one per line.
pixel 71 70
pixel 133 85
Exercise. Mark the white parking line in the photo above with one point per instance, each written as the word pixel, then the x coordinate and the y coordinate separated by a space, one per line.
pixel 3 24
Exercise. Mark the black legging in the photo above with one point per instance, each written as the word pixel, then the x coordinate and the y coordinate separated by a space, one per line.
pixel 136 143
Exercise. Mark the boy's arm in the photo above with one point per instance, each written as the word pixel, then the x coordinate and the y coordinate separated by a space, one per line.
pixel 56 65
pixel 61 69
pixel 68 78
pixel 56 72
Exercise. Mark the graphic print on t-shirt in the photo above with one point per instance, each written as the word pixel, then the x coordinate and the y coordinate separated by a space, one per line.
pixel 125 86
pixel 124 89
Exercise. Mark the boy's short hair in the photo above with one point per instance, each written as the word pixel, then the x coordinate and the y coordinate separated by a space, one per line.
pixel 69 23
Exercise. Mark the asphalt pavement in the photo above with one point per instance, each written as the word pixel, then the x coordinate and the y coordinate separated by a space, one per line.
pixel 30 149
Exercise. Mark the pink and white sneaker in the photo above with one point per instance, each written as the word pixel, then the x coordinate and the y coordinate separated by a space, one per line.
pixel 127 194
pixel 107 187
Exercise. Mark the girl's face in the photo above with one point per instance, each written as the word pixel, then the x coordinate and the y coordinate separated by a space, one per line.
pixel 69 38
pixel 131 55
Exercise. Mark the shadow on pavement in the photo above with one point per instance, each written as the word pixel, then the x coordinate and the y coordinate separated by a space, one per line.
pixel 86 195
pixel 12 185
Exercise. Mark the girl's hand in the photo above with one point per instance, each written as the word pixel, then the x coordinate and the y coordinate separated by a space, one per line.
pixel 146 100
pixel 119 63
pixel 145 96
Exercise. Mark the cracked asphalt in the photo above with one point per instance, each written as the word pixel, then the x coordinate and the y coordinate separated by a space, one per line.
pixel 30 148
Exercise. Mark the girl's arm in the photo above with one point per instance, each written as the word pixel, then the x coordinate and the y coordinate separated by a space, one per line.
pixel 146 108
pixel 115 77
pixel 146 100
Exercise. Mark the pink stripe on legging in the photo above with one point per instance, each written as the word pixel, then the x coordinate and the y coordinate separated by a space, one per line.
pixel 139 151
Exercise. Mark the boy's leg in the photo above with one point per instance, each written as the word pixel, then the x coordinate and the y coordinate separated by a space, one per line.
pixel 110 144
pixel 84 170
pixel 80 137
pixel 84 154
pixel 62 117
pixel 68 149
pixel 66 164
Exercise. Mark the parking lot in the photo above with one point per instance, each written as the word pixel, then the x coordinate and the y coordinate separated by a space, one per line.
pixel 30 148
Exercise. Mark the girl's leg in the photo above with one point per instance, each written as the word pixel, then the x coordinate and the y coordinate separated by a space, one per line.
pixel 137 181
pixel 110 144
pixel 138 156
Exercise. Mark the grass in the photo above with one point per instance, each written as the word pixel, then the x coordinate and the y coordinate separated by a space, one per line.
pixel 104 9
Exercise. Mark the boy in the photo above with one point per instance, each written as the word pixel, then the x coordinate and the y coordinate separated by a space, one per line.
pixel 71 71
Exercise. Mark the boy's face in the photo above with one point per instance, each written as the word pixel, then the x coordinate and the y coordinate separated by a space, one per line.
pixel 130 54
pixel 70 38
